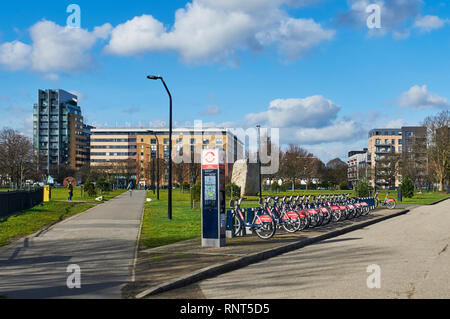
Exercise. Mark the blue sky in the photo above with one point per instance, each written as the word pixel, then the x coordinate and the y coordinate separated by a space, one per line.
pixel 309 67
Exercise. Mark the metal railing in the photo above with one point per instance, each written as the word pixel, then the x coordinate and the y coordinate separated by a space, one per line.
pixel 16 201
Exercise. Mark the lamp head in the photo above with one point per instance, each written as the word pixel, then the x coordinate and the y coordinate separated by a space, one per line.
pixel 153 77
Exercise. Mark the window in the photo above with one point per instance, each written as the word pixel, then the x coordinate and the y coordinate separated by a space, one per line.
pixel 205 141
pixel 179 140
pixel 393 142
pixel 142 140
pixel 219 141
pixel 192 140
pixel 153 141
pixel 377 141
pixel 166 141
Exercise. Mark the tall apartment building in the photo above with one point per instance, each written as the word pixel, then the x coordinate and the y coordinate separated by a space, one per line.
pixel 60 136
pixel 407 143
pixel 111 146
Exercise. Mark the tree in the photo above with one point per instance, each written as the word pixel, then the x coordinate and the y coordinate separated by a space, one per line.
pixel 387 168
pixel 89 188
pixel 438 140
pixel 407 187
pixel 293 163
pixel 16 156
pixel 336 172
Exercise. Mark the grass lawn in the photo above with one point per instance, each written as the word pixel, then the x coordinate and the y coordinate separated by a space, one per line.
pixel 157 230
pixel 62 193
pixel 37 218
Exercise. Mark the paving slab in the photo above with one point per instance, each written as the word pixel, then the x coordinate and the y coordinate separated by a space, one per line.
pixel 160 269
pixel 101 241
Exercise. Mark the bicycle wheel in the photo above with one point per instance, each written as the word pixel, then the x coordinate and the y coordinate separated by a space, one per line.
pixel 291 222
pixel 326 219
pixel 265 227
pixel 391 204
pixel 237 225
pixel 336 215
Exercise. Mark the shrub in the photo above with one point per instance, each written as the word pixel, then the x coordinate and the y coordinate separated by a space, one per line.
pixel 343 186
pixel 363 189
pixel 312 186
pixel 285 186
pixel 103 185
pixel 185 185
pixel 407 187
pixel 89 188
pixel 196 192
pixel 232 188
pixel 274 187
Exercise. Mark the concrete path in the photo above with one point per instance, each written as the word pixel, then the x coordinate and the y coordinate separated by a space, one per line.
pixel 412 252
pixel 101 241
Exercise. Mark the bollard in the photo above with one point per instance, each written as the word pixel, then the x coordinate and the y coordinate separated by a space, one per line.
pixel 399 195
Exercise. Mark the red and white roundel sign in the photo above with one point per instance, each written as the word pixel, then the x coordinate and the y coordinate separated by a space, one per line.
pixel 210 158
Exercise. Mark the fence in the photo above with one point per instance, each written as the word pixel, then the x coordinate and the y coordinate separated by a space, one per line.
pixel 17 201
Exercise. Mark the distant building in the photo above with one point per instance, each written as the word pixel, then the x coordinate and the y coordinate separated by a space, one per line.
pixel 112 146
pixel 60 136
pixel 408 143
pixel 359 165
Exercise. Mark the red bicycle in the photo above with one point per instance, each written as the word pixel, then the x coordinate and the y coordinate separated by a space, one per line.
pixel 389 203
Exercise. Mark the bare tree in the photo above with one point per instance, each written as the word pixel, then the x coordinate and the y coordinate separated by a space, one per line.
pixel 16 156
pixel 438 139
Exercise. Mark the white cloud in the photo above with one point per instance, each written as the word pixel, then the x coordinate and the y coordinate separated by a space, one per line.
pixel 428 23
pixel 340 130
pixel 211 110
pixel 207 30
pixel 314 111
pixel 419 98
pixel 15 55
pixel 54 49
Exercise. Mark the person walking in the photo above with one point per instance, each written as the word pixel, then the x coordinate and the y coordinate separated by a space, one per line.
pixel 70 189
pixel 130 188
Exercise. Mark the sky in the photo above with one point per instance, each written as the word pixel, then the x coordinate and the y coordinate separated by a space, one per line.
pixel 315 69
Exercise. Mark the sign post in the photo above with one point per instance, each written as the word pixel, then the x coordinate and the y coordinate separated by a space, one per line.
pixel 213 198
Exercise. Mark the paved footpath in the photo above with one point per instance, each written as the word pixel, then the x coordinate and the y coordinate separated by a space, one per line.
pixel 101 241
pixel 412 252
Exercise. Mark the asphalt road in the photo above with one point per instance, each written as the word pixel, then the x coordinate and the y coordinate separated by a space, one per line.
pixel 100 241
pixel 411 252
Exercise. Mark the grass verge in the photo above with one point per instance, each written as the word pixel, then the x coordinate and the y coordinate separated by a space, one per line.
pixel 158 230
pixel 62 193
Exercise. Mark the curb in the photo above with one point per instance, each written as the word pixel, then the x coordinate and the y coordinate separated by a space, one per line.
pixel 439 201
pixel 219 269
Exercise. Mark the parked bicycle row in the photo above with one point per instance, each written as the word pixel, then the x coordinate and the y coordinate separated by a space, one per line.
pixel 294 214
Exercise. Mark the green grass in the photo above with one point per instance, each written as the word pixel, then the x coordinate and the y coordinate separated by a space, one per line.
pixel 157 230
pixel 37 218
pixel 62 193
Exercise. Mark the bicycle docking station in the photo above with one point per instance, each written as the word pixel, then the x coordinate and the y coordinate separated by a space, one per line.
pixel 213 198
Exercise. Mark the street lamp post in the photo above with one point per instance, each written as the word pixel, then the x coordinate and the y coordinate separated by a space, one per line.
pixel 152 77
pixel 259 162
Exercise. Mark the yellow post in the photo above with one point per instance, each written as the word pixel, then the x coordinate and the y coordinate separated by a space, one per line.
pixel 47 194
